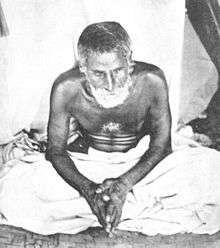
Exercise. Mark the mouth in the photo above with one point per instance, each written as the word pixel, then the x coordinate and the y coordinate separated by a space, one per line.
pixel 110 94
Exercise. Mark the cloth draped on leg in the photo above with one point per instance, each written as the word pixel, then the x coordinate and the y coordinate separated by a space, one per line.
pixel 181 194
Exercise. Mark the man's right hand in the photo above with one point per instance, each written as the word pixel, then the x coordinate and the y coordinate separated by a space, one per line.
pixel 96 203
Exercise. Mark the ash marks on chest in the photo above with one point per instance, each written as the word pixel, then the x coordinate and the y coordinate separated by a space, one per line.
pixel 112 127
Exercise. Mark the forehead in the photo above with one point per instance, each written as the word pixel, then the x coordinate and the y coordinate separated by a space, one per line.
pixel 106 60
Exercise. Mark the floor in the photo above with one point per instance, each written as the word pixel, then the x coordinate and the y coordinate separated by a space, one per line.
pixel 11 237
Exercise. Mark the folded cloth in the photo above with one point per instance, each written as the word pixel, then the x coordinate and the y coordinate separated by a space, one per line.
pixel 181 194
pixel 18 147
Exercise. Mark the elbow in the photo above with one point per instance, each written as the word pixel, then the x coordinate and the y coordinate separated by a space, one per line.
pixel 52 154
pixel 164 149
pixel 167 147
pixel 48 156
pixel 168 150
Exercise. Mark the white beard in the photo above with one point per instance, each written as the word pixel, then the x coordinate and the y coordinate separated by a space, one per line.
pixel 110 100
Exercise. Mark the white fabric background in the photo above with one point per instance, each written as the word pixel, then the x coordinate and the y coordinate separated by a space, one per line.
pixel 40 47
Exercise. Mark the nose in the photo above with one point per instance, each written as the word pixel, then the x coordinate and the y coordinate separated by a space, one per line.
pixel 110 81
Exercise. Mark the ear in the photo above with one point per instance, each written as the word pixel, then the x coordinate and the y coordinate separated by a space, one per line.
pixel 82 68
pixel 131 68
pixel 131 63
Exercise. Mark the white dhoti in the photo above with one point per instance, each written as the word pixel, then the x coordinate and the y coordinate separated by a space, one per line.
pixel 181 194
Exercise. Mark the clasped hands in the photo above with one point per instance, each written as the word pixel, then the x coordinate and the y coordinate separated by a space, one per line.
pixel 106 201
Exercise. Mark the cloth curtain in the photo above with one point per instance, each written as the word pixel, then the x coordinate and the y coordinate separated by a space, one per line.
pixel 3 25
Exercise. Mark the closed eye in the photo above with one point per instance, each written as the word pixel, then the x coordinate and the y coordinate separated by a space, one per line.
pixel 118 70
pixel 98 73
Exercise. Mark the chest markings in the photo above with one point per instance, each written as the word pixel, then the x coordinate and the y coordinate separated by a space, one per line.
pixel 111 127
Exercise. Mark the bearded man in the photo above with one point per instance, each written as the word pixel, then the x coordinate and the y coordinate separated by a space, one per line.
pixel 114 102
pixel 117 173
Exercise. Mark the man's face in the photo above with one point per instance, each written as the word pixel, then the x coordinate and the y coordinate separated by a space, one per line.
pixel 109 78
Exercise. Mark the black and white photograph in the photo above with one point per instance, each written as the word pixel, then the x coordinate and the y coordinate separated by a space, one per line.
pixel 109 123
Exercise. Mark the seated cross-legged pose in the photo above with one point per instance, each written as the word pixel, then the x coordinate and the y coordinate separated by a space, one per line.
pixel 115 101
pixel 120 173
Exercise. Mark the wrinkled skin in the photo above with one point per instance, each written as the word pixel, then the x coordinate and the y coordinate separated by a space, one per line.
pixel 96 203
pixel 117 191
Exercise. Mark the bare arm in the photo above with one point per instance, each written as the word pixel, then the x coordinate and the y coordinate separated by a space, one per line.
pixel 160 137
pixel 58 128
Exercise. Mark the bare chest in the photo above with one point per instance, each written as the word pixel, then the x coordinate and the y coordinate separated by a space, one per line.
pixel 125 119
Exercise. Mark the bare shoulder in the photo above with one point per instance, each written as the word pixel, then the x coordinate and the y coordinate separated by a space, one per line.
pixel 150 77
pixel 67 84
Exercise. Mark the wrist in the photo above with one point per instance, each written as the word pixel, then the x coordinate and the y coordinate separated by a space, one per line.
pixel 126 182
pixel 85 189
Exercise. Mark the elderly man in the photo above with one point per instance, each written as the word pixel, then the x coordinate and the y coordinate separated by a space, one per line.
pixel 114 102
pixel 117 173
